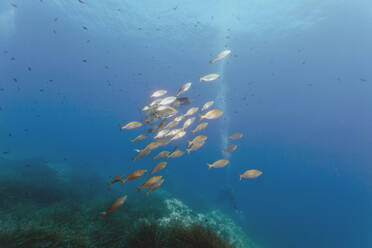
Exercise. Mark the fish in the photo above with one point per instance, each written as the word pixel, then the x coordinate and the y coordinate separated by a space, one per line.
pixel 197 140
pixel 141 154
pixel 200 127
pixel 176 153
pixel 195 147
pixel 118 203
pixel 158 93
pixel 163 154
pixel 230 148
pixel 166 111
pixel 115 180
pixel 131 125
pixel 251 174
pixel 184 100
pixel 209 77
pixel 236 136
pixel 220 56
pixel 168 100
pixel 149 182
pixel 184 88
pixel 191 111
pixel 179 135
pixel 210 115
pixel 161 134
pixel 139 138
pixel 134 175
pixel 154 186
pixel 155 102
pixel 174 132
pixel 172 124
pixel 207 105
pixel 218 164
pixel 176 104
pixel 188 122
pixel 158 167
pixel 164 141
pixel 179 118
pixel 152 145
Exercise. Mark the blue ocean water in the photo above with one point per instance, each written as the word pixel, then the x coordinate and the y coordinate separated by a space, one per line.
pixel 297 85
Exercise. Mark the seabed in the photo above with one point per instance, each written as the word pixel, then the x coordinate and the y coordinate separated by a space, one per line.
pixel 46 204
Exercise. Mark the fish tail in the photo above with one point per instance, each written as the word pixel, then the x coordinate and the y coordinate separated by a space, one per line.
pixel 121 127
pixel 188 151
pixel 201 79
pixel 200 117
pixel 209 166
pixel 151 174
pixel 240 177
pixel 188 143
pixel 138 188
pixel 211 62
pixel 122 182
pixel 147 193
pixel 104 213
pixel 134 160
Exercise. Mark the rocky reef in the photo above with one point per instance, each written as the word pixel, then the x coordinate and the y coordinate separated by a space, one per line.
pixel 41 208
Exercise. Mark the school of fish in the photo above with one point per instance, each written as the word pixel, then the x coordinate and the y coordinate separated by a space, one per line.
pixel 168 124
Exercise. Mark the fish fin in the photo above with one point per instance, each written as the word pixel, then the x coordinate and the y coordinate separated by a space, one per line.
pixel 122 182
pixel 109 186
pixel 138 188
pixel 200 117
pixel 104 213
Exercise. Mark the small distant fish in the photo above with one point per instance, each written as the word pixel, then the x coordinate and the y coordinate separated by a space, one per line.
pixel 154 186
pixel 184 100
pixel 219 164
pixel 251 174
pixel 141 154
pixel 161 134
pixel 207 105
pixel 168 100
pixel 158 167
pixel 120 201
pixel 188 122
pixel 153 180
pixel 176 153
pixel 220 56
pixel 179 135
pixel 230 148
pixel 163 154
pixel 134 175
pixel 159 93
pixel 236 136
pixel 197 140
pixel 172 124
pixel 139 138
pixel 200 127
pixel 209 77
pixel 81 1
pixel 191 111
pixel 195 147
pixel 184 88
pixel 115 180
pixel 131 125
pixel 14 5
pixel 213 114
pixel 84 27
pixel 153 145
pixel 363 79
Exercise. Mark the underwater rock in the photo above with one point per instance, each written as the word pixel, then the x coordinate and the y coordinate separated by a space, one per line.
pixel 224 226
